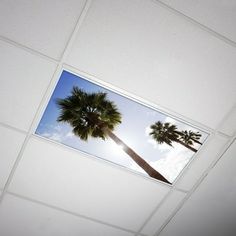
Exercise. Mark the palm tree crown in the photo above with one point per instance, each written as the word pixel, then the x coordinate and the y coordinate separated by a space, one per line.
pixel 90 114
pixel 164 133
pixel 190 137
pixel 168 133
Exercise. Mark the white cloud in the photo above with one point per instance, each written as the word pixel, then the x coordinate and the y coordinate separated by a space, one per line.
pixel 174 157
pixel 173 162
pixel 153 143
pixel 57 128
pixel 54 136
pixel 45 134
pixel 164 147
pixel 148 130
pixel 69 135
pixel 57 133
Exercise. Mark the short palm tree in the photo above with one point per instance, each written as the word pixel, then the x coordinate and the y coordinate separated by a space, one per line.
pixel 93 115
pixel 167 133
pixel 189 137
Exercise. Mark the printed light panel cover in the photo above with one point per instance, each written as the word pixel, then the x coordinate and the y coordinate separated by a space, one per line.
pixel 109 126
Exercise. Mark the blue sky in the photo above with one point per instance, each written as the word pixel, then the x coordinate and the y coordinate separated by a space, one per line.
pixel 134 129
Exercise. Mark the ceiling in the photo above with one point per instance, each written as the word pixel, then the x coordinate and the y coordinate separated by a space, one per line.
pixel 178 56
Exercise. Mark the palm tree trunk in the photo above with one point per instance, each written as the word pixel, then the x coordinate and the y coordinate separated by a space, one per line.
pixel 186 145
pixel 140 161
pixel 196 141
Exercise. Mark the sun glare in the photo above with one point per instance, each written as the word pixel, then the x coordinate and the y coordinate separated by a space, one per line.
pixel 118 148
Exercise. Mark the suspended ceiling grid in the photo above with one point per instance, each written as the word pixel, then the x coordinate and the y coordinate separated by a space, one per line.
pixel 177 56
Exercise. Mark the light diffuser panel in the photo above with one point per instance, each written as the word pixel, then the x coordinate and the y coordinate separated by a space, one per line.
pixel 107 125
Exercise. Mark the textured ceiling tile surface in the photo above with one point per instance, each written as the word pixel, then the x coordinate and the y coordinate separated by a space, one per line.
pixel 24 79
pixel 44 26
pixel 163 212
pixel 151 52
pixel 74 182
pixel 20 217
pixel 217 15
pixel 10 144
pixel 228 126
pixel 202 161
pixel 211 210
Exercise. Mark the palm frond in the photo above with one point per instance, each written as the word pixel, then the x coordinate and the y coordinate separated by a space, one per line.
pixel 88 113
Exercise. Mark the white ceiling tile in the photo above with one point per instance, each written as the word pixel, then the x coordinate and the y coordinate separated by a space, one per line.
pixel 59 176
pixel 163 212
pixel 44 26
pixel 21 217
pixel 211 210
pixel 229 124
pixel 151 52
pixel 219 16
pixel 24 79
pixel 10 144
pixel 203 160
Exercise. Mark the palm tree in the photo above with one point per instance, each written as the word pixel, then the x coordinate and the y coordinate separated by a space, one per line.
pixel 189 137
pixel 93 115
pixel 167 133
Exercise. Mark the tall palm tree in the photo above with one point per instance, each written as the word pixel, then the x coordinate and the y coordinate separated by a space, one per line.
pixel 189 137
pixel 93 115
pixel 167 133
